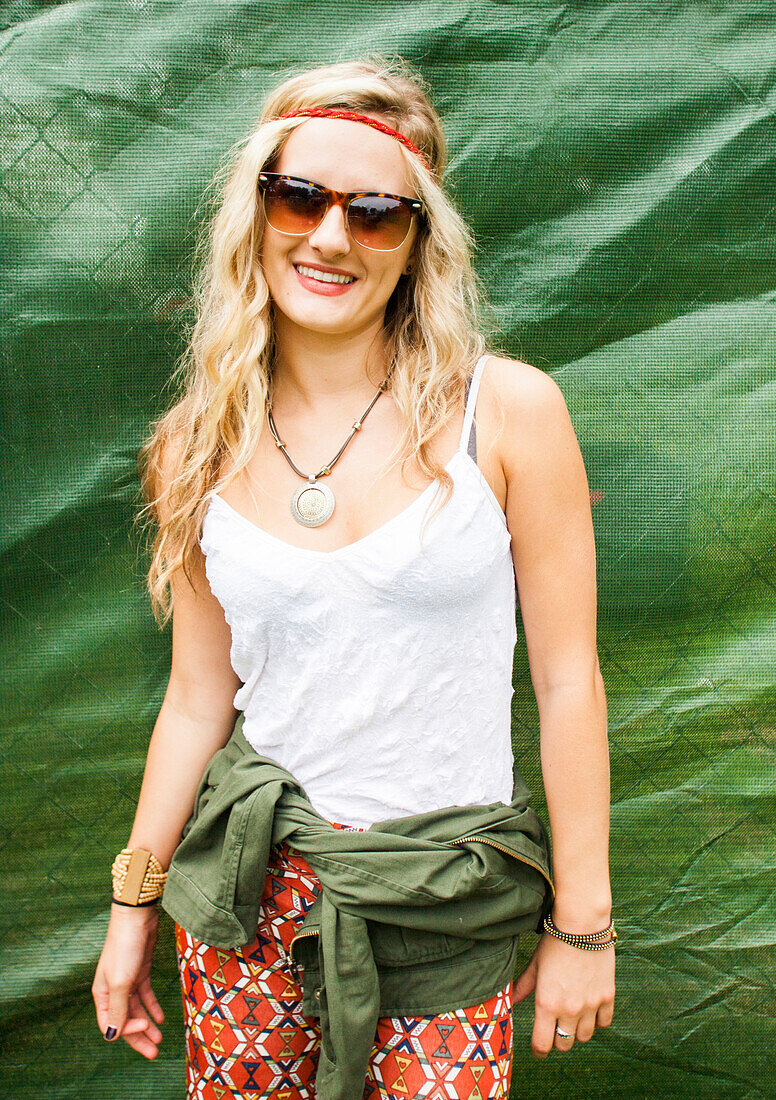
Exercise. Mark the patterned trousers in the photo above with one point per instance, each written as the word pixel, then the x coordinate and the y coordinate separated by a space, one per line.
pixel 246 1037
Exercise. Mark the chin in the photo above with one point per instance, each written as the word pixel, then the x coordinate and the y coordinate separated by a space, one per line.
pixel 317 321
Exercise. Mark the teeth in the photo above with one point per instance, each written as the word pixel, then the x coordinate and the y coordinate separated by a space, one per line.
pixel 324 276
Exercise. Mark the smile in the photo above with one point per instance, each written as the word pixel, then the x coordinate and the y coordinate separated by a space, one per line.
pixel 324 276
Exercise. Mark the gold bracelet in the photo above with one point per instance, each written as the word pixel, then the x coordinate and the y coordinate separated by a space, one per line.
pixel 588 941
pixel 138 877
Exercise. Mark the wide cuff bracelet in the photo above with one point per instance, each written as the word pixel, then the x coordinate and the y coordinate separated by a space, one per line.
pixel 138 877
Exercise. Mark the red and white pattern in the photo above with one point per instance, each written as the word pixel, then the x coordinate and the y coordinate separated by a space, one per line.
pixel 246 1037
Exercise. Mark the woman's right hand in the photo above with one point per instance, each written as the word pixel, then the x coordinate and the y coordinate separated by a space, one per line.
pixel 122 983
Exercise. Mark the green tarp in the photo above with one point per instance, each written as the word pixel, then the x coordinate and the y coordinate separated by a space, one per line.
pixel 616 163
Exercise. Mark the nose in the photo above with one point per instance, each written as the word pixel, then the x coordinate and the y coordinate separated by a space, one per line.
pixel 331 236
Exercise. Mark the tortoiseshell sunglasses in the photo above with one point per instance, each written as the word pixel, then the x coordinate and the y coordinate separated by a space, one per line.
pixel 297 206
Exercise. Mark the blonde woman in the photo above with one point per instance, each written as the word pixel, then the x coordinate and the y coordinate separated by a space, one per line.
pixel 337 385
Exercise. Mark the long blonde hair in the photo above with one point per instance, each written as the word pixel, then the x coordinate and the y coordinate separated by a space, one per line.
pixel 435 319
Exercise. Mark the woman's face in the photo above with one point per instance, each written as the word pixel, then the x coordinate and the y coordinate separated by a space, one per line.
pixel 346 156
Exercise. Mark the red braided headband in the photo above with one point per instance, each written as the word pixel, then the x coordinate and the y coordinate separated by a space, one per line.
pixel 332 112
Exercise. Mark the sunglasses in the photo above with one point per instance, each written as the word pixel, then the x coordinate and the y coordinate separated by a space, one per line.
pixel 375 220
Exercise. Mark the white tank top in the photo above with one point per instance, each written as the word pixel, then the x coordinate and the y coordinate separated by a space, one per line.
pixel 379 674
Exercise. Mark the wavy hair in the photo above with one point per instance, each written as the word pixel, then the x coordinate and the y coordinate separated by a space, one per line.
pixel 435 320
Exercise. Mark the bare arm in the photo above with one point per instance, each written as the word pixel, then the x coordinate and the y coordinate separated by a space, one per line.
pixel 195 720
pixel 549 518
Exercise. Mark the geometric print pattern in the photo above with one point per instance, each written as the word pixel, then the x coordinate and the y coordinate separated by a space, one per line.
pixel 247 1039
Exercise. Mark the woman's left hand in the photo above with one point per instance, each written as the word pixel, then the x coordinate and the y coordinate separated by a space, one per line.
pixel 574 991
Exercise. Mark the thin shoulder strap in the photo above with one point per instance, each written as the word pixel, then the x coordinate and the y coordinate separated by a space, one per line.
pixel 468 438
pixel 467 431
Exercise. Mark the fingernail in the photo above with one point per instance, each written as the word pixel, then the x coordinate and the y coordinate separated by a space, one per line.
pixel 110 1033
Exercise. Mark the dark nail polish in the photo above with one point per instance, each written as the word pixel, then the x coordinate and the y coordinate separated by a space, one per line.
pixel 110 1033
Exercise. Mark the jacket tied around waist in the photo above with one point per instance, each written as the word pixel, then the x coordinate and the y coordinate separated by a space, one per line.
pixel 416 915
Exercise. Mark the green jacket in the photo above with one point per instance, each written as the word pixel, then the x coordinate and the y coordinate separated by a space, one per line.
pixel 416 915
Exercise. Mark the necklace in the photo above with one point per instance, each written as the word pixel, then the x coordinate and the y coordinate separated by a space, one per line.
pixel 313 503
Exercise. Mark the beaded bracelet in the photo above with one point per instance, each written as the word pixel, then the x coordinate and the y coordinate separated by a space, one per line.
pixel 138 877
pixel 588 941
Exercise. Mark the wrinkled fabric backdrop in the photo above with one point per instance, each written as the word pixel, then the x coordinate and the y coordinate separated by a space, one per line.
pixel 616 163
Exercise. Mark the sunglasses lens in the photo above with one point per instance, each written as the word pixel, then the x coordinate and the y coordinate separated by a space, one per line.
pixel 380 222
pixel 292 206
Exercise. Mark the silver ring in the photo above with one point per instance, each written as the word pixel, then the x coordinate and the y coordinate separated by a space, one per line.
pixel 562 1034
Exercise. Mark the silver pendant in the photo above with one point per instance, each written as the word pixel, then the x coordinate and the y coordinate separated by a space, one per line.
pixel 312 504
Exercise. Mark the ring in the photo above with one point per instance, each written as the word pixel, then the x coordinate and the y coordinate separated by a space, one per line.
pixel 562 1034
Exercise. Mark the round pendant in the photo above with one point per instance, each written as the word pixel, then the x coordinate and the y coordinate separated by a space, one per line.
pixel 312 504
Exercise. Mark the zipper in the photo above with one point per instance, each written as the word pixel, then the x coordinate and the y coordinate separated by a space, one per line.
pixel 461 839
pixel 290 956
pixel 507 851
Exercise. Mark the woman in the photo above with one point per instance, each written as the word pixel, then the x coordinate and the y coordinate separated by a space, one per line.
pixel 367 638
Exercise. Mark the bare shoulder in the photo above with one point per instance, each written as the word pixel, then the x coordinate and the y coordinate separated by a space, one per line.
pixel 519 386
pixel 531 409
